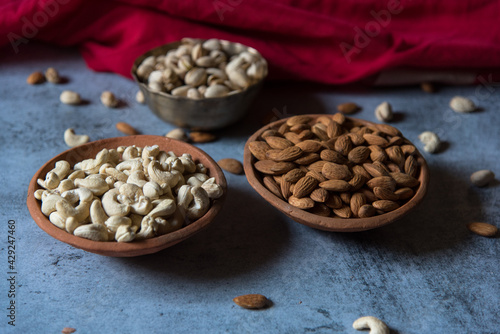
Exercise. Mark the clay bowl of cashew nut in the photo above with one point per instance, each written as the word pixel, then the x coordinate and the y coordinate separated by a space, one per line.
pixel 127 196
pixel 336 173
pixel 200 84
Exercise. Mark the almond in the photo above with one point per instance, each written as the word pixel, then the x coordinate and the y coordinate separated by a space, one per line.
pixel 317 166
pixel 357 182
pixel 411 166
pixel 339 118
pixel 348 108
pixel 377 153
pixel 126 128
pixel 270 132
pixel 356 139
pixel 283 128
pixel 259 149
pixel 321 210
pixel 428 87
pixel 385 193
pixel 299 119
pixel 231 165
pixel 343 145
pixel 319 195
pixel 309 146
pixel 357 201
pixel 273 168
pixel 396 140
pixel 359 154
pixel 393 168
pixel 405 180
pixel 382 182
pixel 293 137
pixel 278 142
pixel 286 188
pixel 375 170
pixel 385 205
pixel 404 193
pixel 288 154
pixel 345 197
pixel 361 171
pixel 482 178
pixel 334 130
pixel 68 330
pixel 370 196
pixel 272 186
pixel 388 129
pixel 201 137
pixel 306 134
pixel 294 175
pixel 333 201
pixel 343 212
pixel 335 185
pixel 366 210
pixel 320 130
pixel 35 78
pixel 298 128
pixel 335 171
pixel 303 203
pixel 372 139
pixel 396 155
pixel 317 175
pixel 307 159
pixel 408 149
pixel 483 229
pixel 304 186
pixel 251 301
pixel 333 156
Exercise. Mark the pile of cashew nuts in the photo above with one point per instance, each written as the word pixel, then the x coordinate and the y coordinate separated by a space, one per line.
pixel 128 193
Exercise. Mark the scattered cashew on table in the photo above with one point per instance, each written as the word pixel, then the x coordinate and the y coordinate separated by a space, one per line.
pixel 375 325
pixel 125 194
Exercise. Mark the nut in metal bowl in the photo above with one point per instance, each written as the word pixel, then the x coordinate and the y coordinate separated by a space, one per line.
pixel 199 108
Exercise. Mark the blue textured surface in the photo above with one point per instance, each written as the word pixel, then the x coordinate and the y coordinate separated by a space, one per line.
pixel 424 274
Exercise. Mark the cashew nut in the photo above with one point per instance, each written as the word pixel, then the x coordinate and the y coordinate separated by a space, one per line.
pixel 138 178
pixel 65 185
pixel 77 174
pixel 431 141
pixel 94 182
pixel 375 325
pixel 163 209
pixel 79 213
pixel 49 203
pixel 163 177
pixel 97 213
pixel 51 181
pixel 111 205
pixel 94 232
pixel 57 220
pixel 130 152
pixel 213 189
pixel 125 233
pixel 200 205
pixel 114 222
pixel 71 139
pixel 72 223
pixel 91 166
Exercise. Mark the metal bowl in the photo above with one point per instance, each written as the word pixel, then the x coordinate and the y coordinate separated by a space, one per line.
pixel 202 114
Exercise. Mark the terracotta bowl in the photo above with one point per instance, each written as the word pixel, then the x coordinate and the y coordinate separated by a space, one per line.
pixel 330 223
pixel 133 248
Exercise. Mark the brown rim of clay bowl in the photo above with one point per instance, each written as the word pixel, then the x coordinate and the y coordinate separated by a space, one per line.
pixel 330 223
pixel 134 248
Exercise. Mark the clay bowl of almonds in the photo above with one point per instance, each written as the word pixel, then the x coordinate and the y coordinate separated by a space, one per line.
pixel 200 84
pixel 127 196
pixel 336 173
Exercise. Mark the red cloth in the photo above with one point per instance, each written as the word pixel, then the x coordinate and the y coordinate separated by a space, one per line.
pixel 326 41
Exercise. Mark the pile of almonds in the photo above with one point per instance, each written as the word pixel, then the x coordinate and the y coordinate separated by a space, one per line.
pixel 332 166
pixel 203 69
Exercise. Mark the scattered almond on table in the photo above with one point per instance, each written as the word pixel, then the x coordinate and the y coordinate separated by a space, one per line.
pixel 428 87
pixel 348 108
pixel 483 229
pixel 462 104
pixel 201 137
pixel 126 129
pixel 482 178
pixel 251 301
pixel 35 78
pixel 68 330
pixel 231 165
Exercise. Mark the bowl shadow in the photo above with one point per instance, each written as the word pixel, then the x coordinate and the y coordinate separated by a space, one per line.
pixel 243 238
pixel 438 223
